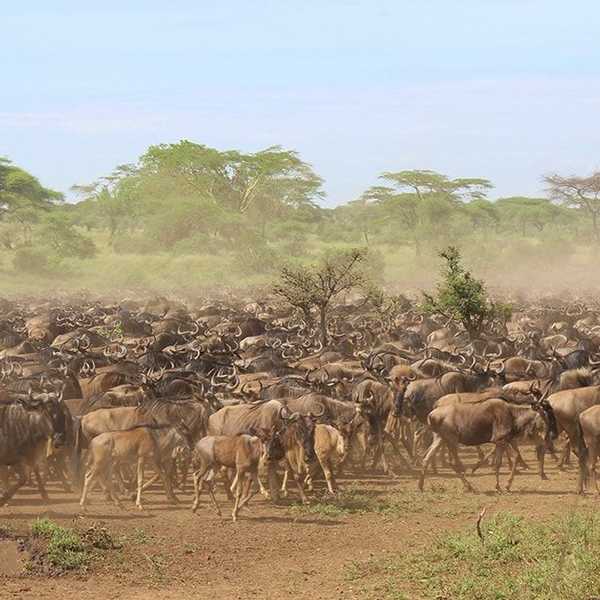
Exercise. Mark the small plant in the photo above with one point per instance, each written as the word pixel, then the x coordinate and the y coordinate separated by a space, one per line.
pixel 139 536
pixel 65 549
pixel 316 287
pixel 463 298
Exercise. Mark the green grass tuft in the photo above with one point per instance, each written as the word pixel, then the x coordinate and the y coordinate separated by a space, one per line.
pixel 65 549
pixel 519 558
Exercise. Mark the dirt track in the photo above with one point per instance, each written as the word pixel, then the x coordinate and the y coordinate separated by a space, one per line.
pixel 273 551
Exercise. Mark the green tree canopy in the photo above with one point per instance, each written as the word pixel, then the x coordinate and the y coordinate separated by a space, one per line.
pixel 461 297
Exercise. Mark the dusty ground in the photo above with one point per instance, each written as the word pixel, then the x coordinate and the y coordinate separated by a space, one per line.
pixel 273 551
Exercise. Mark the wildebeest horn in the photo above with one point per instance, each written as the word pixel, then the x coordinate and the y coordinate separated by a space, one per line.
pixel 234 382
pixel 318 415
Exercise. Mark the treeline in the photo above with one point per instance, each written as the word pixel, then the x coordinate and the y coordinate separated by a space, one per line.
pixel 257 210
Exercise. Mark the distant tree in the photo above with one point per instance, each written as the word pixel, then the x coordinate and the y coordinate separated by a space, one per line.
pixel 461 297
pixel 582 193
pixel 524 213
pixel 314 287
pixel 23 200
pixel 414 196
pixel 110 202
pixel 231 178
pixel 65 240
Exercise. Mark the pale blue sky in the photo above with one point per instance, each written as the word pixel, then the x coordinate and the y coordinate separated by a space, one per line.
pixel 503 89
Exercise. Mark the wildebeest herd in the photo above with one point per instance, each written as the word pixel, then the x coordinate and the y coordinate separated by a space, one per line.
pixel 92 393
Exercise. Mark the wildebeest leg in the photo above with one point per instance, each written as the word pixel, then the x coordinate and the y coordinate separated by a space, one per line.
pixel 61 469
pixel 109 486
pixel 228 486
pixel 150 482
pixel 592 458
pixel 165 481
pixel 519 458
pixel 326 466
pixel 458 466
pixel 40 484
pixel 184 467
pixel 272 479
pixel 393 441
pixel 239 484
pixel 12 490
pixel 483 458
pixel 565 459
pixel 539 453
pixel 297 469
pixel 284 481
pixel 4 477
pixel 140 482
pixel 406 435
pixel 378 453
pixel 499 451
pixel 211 491
pixel 515 447
pixel 248 494
pixel 431 452
pixel 197 483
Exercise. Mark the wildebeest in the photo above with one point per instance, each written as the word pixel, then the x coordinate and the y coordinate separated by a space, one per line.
pixel 490 421
pixel 140 443
pixel 239 452
pixel 29 432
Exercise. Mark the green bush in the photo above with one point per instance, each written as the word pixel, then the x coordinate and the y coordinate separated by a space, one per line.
pixel 65 550
pixel 33 260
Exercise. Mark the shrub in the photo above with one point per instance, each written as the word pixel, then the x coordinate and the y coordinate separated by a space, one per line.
pixel 32 260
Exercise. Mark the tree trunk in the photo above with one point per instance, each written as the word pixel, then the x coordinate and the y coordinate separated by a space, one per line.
pixel 323 325
pixel 595 227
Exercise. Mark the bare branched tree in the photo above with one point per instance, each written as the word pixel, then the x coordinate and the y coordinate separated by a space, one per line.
pixel 317 285
pixel 578 192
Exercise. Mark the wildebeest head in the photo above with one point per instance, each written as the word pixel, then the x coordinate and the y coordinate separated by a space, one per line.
pixel 52 405
pixel 544 409
pixel 294 429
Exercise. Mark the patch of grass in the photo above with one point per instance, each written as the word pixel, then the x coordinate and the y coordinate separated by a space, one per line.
pixel 519 559
pixel 65 550
pixel 349 501
pixel 354 501
pixel 138 536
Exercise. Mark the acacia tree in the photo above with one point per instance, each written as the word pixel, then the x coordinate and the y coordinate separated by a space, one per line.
pixel 410 191
pixel 461 297
pixel 23 200
pixel 231 178
pixel 314 287
pixel 112 201
pixel 582 193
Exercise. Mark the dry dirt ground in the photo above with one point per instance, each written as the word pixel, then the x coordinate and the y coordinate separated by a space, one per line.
pixel 273 551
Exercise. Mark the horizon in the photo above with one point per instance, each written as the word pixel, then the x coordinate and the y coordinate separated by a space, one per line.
pixel 505 90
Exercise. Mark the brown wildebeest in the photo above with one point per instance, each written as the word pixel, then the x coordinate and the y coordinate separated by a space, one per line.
pixel 239 452
pixel 259 417
pixel 141 444
pixel 491 421
pixel 567 406
pixel 30 430
pixel 589 423
pixel 294 440
pixel 330 448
